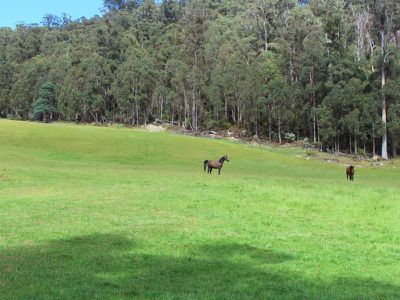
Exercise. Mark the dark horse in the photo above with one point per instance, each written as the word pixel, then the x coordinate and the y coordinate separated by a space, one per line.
pixel 215 164
pixel 350 173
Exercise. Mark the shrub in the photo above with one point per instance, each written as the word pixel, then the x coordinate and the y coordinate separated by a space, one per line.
pixel 210 124
pixel 224 124
pixel 289 137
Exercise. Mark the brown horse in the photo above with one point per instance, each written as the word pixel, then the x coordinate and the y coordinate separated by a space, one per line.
pixel 350 173
pixel 215 164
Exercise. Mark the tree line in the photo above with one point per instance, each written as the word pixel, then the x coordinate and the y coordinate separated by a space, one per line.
pixel 322 70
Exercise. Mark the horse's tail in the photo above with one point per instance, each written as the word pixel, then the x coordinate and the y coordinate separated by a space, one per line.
pixel 205 164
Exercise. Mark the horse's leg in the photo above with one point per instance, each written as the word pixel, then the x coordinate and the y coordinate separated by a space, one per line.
pixel 219 171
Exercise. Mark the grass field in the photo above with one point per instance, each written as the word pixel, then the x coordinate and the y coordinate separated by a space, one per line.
pixel 113 213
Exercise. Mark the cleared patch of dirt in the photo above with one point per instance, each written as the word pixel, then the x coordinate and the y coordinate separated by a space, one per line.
pixel 154 128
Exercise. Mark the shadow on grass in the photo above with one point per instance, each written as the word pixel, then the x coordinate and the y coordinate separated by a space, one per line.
pixel 109 266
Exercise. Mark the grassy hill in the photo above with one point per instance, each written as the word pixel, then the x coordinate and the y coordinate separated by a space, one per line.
pixel 114 213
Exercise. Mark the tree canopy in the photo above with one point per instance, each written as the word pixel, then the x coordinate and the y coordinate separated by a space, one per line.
pixel 327 71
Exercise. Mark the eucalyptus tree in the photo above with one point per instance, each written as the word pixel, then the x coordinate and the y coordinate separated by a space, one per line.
pixel 386 24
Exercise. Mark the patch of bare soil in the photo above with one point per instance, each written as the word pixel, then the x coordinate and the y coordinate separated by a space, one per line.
pixel 154 128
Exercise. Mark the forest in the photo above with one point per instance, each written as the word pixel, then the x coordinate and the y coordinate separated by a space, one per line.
pixel 326 71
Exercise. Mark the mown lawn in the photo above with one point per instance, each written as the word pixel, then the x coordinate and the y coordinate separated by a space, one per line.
pixel 113 213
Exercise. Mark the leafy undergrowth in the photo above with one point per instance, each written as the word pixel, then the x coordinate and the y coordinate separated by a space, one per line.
pixel 114 213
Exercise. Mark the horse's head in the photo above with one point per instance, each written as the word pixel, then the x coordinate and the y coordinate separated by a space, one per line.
pixel 226 158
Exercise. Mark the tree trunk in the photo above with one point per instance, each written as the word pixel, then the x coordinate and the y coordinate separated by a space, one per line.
pixel 314 129
pixel 355 145
pixel 269 129
pixel 173 115
pixel 383 74
pixel 279 129
pixel 186 107
pixel 226 109
pixel 256 123
pixel 350 144
pixel 145 114
pixel 384 119
pixel 194 111
pixel 313 105
pixel 265 34
pixel 269 123
pixel 373 141
pixel 161 105
pixel 137 114
pixel 233 115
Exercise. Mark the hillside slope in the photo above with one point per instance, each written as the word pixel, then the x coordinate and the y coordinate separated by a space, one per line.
pixel 119 213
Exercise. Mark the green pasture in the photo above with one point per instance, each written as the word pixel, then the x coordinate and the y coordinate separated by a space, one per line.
pixel 114 213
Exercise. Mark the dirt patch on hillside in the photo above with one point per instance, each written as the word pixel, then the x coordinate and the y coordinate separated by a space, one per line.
pixel 154 128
